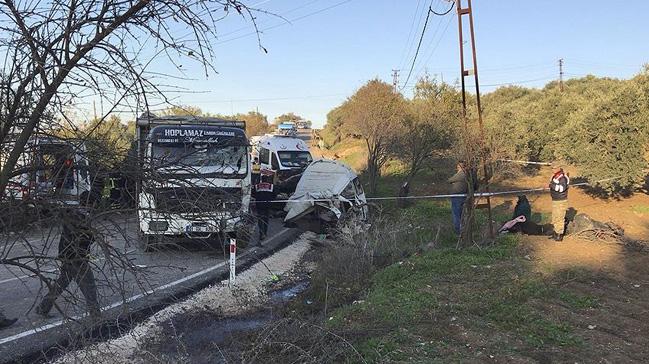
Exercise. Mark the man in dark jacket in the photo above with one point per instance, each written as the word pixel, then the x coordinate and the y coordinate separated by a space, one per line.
pixel 459 186
pixel 264 195
pixel 559 192
pixel 74 250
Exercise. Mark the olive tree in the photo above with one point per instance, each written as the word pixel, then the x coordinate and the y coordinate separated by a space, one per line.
pixel 373 114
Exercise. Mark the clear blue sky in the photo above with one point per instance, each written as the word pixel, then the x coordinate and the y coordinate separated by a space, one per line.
pixel 318 60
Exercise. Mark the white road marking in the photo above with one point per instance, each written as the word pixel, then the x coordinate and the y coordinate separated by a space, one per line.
pixel 128 300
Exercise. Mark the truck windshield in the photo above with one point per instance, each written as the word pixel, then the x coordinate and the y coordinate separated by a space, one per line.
pixel 226 159
pixel 294 158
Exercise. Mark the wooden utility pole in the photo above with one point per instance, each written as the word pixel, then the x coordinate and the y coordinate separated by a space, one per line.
pixel 467 72
pixel 561 74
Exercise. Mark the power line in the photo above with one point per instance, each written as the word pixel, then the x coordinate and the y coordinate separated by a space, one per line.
pixel 421 38
pixel 421 69
pixel 282 15
pixel 444 13
pixel 285 23
pixel 406 48
pixel 275 98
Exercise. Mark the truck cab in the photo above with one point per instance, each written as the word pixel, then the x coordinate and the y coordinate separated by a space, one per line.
pixel 55 170
pixel 195 180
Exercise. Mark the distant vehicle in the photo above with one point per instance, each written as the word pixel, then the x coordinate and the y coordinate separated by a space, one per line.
pixel 195 179
pixel 286 156
pixel 302 124
pixel 55 169
pixel 287 128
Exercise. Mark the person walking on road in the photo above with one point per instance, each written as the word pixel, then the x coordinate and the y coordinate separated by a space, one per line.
pixel 559 193
pixel 74 250
pixel 264 195
pixel 6 322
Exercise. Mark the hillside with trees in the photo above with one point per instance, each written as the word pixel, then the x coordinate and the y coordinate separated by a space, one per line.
pixel 596 124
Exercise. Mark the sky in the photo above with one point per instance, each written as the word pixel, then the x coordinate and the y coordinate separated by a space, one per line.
pixel 321 51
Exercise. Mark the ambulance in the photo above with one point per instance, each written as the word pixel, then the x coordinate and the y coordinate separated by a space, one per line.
pixel 286 156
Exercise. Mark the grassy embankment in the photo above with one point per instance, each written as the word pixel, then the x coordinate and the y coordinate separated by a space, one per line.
pixel 426 301
pixel 450 304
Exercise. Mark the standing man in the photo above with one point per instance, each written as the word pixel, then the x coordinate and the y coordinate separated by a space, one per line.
pixel 559 193
pixel 458 186
pixel 74 251
pixel 256 170
pixel 265 194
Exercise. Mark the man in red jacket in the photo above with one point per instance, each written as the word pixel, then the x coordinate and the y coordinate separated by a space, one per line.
pixel 559 193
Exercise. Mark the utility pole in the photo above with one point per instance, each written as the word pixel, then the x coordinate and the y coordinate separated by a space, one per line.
pixel 467 72
pixel 561 74
pixel 395 79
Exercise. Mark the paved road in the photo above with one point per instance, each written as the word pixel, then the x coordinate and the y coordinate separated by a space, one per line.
pixel 20 291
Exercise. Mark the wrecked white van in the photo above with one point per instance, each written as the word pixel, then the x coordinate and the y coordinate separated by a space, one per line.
pixel 328 191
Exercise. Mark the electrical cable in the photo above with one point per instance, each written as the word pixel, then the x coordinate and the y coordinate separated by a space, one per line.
pixel 430 55
pixel 444 13
pixel 406 48
pixel 285 23
pixel 421 38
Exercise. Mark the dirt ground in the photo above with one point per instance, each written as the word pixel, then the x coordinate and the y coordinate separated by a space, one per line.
pixel 614 275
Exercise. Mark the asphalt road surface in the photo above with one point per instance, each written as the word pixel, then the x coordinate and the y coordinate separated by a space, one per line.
pixel 21 291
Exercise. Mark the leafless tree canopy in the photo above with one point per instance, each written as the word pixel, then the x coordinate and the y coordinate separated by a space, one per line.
pixel 58 52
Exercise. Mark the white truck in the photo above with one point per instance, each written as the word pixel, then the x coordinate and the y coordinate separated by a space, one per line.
pixel 195 179
pixel 53 169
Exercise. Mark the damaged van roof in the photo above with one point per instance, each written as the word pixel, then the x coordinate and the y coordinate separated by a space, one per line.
pixel 321 183
pixel 324 175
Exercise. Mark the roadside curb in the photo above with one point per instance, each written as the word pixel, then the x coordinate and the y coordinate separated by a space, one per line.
pixel 50 341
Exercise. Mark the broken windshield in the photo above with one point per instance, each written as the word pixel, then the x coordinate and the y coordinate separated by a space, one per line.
pixel 224 159
pixel 294 159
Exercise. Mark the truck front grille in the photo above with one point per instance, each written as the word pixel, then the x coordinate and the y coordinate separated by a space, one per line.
pixel 185 200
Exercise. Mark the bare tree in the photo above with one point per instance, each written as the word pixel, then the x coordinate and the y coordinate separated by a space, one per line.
pixel 58 55
pixel 59 51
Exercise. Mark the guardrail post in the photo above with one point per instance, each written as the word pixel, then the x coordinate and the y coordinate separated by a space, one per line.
pixel 233 257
